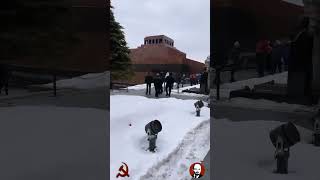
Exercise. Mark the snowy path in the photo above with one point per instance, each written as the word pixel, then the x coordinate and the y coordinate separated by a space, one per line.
pixel 174 93
pixel 178 119
pixel 193 147
pixel 176 165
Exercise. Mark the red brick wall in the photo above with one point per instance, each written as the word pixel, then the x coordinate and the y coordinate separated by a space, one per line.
pixel 195 66
pixel 156 54
pixel 160 54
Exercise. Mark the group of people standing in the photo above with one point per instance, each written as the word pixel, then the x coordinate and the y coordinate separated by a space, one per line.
pixel 272 56
pixel 294 54
pixel 166 82
pixel 160 83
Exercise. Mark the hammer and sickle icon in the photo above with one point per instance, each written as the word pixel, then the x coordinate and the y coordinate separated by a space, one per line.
pixel 123 171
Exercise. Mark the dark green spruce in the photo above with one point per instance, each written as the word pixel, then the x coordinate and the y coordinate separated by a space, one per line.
pixel 121 68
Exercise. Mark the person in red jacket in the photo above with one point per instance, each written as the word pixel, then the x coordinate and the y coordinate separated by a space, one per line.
pixel 262 50
pixel 268 58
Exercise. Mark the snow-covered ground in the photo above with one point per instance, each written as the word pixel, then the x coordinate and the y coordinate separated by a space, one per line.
pixel 183 140
pixel 139 87
pixel 88 81
pixel 243 150
pixel 173 91
pixel 226 88
pixel 143 86
pixel 263 104
pixel 280 78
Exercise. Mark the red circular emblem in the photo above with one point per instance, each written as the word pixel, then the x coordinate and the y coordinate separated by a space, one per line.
pixel 197 170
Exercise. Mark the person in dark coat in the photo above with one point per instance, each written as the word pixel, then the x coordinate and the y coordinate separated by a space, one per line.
pixel 157 84
pixel 301 55
pixel 235 59
pixel 4 78
pixel 262 50
pixel 178 80
pixel 268 50
pixel 169 84
pixel 204 81
pixel 183 79
pixel 286 54
pixel 276 57
pixel 198 76
pixel 162 78
pixel 148 80
pixel 193 80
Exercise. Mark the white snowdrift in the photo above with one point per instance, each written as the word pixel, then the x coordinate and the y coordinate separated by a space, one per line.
pixel 139 87
pixel 280 78
pixel 88 81
pixel 143 86
pixel 226 88
pixel 263 104
pixel 243 150
pixel 174 91
pixel 129 143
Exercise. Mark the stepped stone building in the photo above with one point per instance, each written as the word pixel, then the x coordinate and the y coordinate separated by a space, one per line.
pixel 158 54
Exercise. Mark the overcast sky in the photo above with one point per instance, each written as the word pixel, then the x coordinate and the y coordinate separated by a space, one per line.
pixel 186 22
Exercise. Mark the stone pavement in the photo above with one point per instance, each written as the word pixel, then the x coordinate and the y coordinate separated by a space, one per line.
pixel 66 149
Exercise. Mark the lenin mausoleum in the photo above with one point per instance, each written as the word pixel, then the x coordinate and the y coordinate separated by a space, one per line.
pixel 158 54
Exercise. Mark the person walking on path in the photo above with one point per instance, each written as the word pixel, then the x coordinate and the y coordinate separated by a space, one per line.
pixel 268 50
pixel 286 54
pixel 148 80
pixel 193 80
pixel 4 78
pixel 276 57
pixel 162 78
pixel 178 80
pixel 183 80
pixel 204 82
pixel 262 50
pixel 169 84
pixel 198 76
pixel 235 59
pixel 167 74
pixel 157 85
